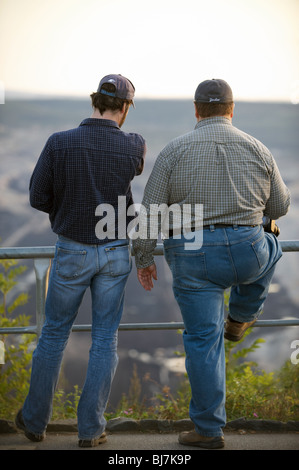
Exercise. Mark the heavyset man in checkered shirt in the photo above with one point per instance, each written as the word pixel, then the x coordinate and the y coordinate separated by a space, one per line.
pixel 234 180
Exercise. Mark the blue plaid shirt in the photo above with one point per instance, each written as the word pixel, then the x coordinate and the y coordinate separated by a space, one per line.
pixel 82 168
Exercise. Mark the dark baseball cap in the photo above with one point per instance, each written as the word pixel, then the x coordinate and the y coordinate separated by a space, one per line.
pixel 124 88
pixel 215 90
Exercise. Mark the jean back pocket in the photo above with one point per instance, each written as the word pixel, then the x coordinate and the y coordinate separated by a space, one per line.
pixel 70 263
pixel 189 270
pixel 119 260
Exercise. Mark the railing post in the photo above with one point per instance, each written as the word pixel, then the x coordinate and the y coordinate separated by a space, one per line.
pixel 41 268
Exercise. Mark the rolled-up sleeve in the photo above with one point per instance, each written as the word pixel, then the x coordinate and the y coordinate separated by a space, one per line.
pixel 279 201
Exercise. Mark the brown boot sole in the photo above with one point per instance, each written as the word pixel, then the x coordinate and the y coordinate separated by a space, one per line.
pixel 93 442
pixel 195 440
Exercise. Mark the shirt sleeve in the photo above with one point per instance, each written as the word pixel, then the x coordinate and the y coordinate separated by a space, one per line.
pixel 279 201
pixel 154 204
pixel 140 167
pixel 41 192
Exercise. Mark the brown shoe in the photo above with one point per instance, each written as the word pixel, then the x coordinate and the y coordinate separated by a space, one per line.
pixel 234 330
pixel 192 438
pixel 19 421
pixel 93 442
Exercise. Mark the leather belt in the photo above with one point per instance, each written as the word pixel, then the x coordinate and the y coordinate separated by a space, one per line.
pixel 174 232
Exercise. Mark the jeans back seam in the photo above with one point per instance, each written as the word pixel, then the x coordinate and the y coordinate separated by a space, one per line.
pixel 232 264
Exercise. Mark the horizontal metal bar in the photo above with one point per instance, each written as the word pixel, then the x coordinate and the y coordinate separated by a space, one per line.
pixel 180 325
pixel 148 326
pixel 49 251
pixel 19 330
pixel 27 252
pixel 289 245
pixel 139 326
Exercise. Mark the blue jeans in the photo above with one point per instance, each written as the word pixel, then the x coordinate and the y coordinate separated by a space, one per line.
pixel 105 269
pixel 242 258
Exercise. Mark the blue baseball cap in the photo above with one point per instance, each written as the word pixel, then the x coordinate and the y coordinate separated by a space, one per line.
pixel 124 88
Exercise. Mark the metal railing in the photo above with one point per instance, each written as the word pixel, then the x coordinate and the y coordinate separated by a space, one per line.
pixel 42 260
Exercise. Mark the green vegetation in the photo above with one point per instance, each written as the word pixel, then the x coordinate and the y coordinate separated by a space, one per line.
pixel 15 374
pixel 251 392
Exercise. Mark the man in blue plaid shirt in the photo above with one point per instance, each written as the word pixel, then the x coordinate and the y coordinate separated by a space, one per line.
pixel 78 171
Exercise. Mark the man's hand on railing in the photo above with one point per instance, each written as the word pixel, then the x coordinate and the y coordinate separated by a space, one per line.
pixel 146 276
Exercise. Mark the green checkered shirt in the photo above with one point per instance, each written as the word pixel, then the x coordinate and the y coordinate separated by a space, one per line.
pixel 231 174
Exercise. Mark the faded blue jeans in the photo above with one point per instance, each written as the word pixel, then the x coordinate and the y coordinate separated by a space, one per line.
pixel 76 267
pixel 240 258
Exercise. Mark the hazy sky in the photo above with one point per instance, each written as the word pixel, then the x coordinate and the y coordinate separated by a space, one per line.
pixel 165 47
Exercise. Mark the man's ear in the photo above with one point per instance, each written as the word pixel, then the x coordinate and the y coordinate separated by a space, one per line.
pixel 232 113
pixel 196 112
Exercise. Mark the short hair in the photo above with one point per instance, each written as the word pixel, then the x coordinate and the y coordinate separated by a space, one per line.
pixel 213 109
pixel 104 102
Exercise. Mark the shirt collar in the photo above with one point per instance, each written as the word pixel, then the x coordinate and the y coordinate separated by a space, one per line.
pixel 213 120
pixel 99 122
